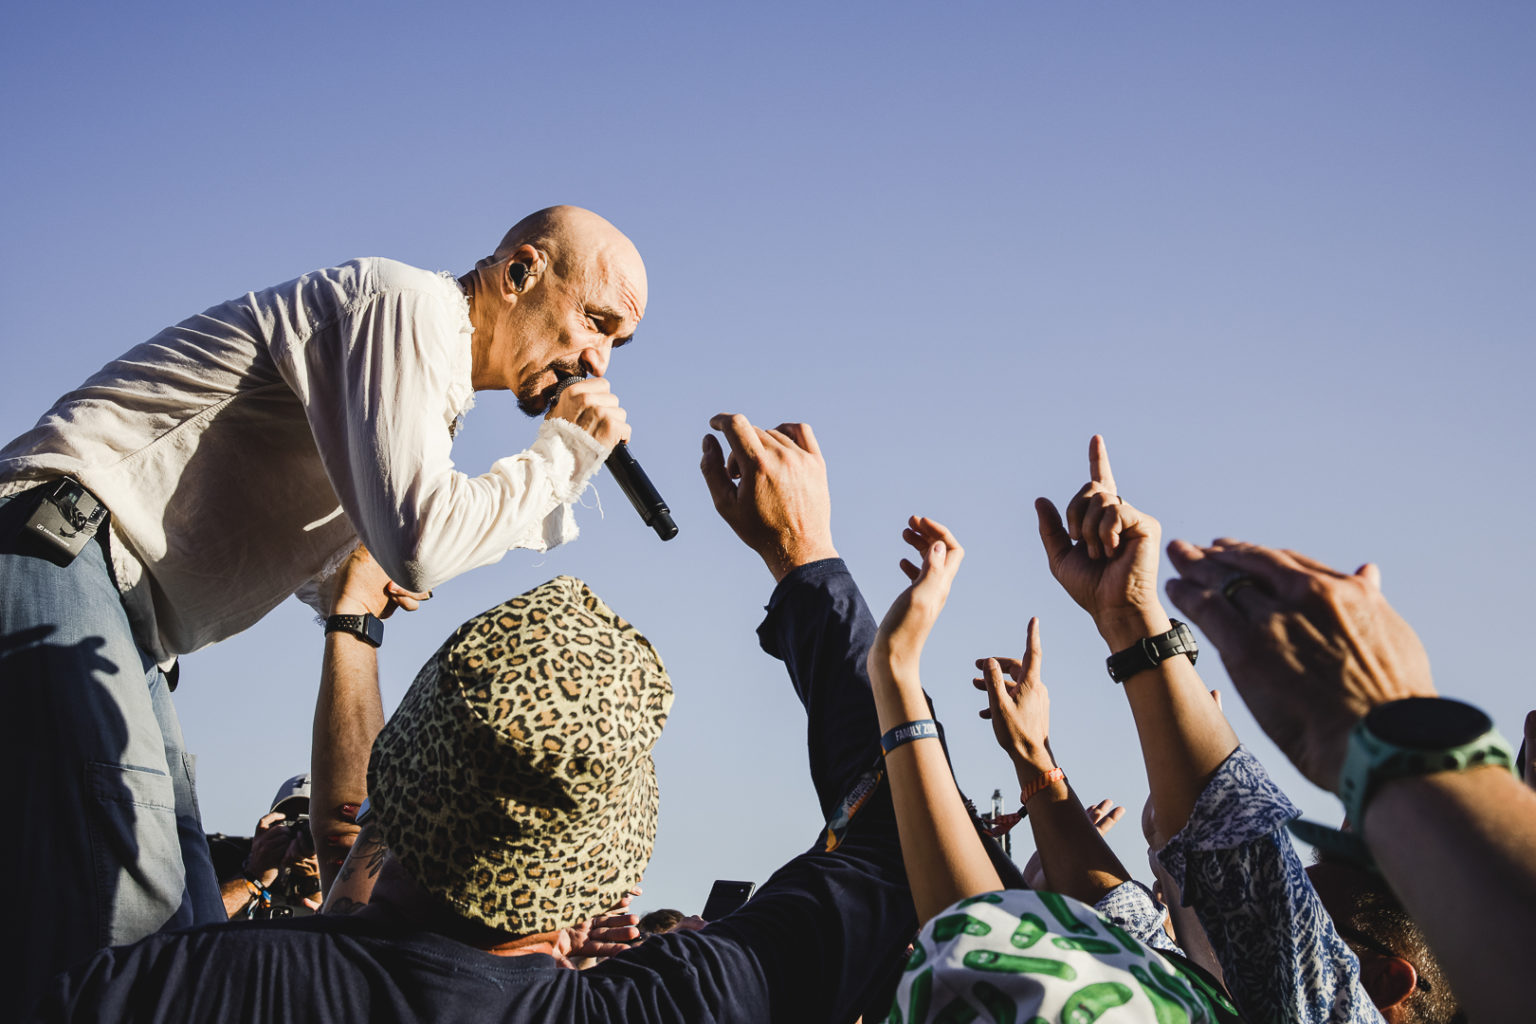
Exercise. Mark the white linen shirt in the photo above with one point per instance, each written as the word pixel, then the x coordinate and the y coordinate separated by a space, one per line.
pixel 244 451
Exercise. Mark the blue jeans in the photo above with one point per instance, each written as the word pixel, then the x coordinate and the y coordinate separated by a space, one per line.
pixel 105 843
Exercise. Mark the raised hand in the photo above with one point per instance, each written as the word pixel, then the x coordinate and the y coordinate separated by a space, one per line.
pixel 772 491
pixel 1019 707
pixel 1105 555
pixel 360 585
pixel 905 628
pixel 1310 649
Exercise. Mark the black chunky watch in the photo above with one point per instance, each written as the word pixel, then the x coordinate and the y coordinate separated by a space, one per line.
pixel 365 627
pixel 1152 652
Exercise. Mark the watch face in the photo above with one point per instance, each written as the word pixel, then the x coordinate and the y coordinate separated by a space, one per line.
pixel 1427 723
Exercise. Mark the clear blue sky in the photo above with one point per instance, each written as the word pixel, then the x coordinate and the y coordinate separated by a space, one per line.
pixel 1280 255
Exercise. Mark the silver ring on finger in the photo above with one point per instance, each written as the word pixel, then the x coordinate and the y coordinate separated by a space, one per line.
pixel 1236 581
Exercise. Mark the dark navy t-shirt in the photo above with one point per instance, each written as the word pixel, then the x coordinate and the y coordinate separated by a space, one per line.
pixel 821 940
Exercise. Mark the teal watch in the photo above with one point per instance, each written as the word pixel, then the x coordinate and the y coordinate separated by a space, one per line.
pixel 1415 736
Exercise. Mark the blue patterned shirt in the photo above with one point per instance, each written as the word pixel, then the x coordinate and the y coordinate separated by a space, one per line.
pixel 1235 864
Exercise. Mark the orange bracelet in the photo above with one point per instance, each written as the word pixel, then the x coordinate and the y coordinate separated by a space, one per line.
pixel 1041 784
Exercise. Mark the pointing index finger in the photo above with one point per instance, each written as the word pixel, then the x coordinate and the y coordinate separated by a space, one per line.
pixel 1098 464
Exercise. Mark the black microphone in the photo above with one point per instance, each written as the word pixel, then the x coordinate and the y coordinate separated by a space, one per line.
pixel 631 478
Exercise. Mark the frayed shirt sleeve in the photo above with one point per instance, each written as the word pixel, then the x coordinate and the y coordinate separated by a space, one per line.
pixel 1235 865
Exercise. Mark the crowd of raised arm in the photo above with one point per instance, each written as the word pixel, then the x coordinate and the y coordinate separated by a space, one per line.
pixel 903 908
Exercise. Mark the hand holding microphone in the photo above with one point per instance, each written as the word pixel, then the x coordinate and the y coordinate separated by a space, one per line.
pixel 594 407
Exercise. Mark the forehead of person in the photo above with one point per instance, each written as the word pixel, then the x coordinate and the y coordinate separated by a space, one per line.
pixel 584 295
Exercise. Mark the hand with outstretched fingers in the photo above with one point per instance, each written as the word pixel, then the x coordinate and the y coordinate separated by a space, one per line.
pixel 607 934
pixel 1019 707
pixel 1105 555
pixel 905 628
pixel 1309 648
pixel 772 490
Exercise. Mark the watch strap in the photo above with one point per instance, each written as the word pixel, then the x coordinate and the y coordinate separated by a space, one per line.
pixel 366 627
pixel 1371 760
pixel 1152 651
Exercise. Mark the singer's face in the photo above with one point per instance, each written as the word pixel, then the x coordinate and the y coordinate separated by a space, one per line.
pixel 569 326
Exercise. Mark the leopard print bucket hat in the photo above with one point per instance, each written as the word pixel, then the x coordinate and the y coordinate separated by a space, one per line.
pixel 515 780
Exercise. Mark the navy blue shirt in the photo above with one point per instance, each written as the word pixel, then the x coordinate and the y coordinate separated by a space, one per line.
pixel 821 941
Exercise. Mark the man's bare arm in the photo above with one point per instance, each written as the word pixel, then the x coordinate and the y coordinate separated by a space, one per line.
pixel 349 713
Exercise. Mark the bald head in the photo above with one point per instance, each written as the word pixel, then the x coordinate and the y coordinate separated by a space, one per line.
pixel 582 246
pixel 563 290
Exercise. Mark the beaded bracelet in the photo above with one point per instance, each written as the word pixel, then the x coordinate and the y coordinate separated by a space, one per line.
pixel 1041 784
pixel 921 729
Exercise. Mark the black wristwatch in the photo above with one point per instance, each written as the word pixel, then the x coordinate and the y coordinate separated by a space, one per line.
pixel 1152 652
pixel 365 627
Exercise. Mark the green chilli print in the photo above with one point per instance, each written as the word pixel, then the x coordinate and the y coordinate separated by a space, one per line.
pixel 894 1017
pixel 1125 938
pixel 918 958
pixel 921 994
pixel 1087 1005
pixel 956 1012
pixel 1063 913
pixel 1028 932
pixel 1171 982
pixel 986 897
pixel 1168 1011
pixel 1210 994
pixel 946 928
pixel 1086 945
pixel 1003 963
pixel 998 1004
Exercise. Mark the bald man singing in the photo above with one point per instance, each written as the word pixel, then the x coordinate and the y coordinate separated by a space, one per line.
pixel 187 488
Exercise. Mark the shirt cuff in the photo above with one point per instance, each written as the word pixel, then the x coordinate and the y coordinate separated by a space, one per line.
pixel 573 457
pixel 1240 804
pixel 811 574
pixel 1131 906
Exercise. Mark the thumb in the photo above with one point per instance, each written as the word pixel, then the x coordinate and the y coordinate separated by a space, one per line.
pixel 1053 535
pixel 712 465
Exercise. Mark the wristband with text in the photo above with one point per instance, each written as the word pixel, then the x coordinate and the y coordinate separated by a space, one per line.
pixel 922 728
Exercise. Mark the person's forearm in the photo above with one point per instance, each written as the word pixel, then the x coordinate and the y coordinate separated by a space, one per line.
pixel 1459 849
pixel 237 895
pixel 944 857
pixel 349 714
pixel 1184 736
pixel 1076 859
